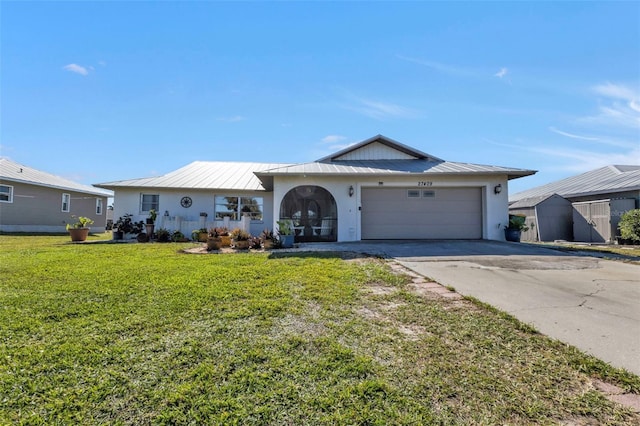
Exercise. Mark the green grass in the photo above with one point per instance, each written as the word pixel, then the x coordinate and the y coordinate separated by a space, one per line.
pixel 143 334
pixel 629 253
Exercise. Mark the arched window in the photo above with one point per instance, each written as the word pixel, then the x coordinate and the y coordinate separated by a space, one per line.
pixel 313 211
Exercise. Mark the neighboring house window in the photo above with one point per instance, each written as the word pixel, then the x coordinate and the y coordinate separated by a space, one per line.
pixel 66 202
pixel 148 202
pixel 98 205
pixel 6 194
pixel 234 207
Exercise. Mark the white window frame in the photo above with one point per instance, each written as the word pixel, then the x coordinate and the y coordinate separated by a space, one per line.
pixel 66 199
pixel 152 205
pixel 237 213
pixel 99 206
pixel 9 194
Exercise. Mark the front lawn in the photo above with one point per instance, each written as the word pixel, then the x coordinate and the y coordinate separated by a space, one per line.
pixel 143 334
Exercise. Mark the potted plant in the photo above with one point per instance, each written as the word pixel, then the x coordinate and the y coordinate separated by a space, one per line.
pixel 79 230
pixel 255 243
pixel 151 220
pixel 214 242
pixel 513 230
pixel 200 235
pixel 286 233
pixel 240 239
pixel 125 225
pixel 267 238
pixel 223 233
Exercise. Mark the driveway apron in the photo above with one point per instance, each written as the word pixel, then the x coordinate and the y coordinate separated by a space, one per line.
pixel 591 303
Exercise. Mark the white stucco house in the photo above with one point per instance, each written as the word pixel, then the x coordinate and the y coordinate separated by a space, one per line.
pixel 375 189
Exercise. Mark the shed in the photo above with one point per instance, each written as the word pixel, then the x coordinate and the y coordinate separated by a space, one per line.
pixel 548 217
pixel 597 221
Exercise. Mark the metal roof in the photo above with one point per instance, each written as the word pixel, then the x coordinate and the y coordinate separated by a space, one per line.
pixel 11 171
pixel 393 167
pixel 605 180
pixel 259 176
pixel 533 201
pixel 204 175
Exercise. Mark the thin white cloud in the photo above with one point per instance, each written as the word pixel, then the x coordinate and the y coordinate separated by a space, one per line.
pixel 333 139
pixel 232 119
pixel 582 161
pixel 619 108
pixel 500 74
pixel 616 91
pixel 571 135
pixel 75 68
pixel 379 110
pixel 571 159
pixel 602 140
pixel 438 66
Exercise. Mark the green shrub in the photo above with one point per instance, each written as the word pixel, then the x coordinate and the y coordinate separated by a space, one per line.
pixel 163 235
pixel 629 225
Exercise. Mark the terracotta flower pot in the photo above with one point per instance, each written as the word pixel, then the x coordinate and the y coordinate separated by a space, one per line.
pixel 213 243
pixel 79 234
pixel 241 244
pixel 226 240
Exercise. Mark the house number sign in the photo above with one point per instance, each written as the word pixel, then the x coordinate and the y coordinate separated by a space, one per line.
pixel 425 183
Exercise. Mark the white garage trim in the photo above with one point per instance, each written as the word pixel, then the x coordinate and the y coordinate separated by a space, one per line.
pixel 421 213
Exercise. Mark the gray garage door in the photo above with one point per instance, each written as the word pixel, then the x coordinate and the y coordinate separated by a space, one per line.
pixel 412 213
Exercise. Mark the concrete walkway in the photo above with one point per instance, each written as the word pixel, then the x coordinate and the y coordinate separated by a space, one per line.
pixel 591 303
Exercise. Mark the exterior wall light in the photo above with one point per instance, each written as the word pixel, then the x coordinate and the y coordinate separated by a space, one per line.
pixel 351 191
pixel 497 189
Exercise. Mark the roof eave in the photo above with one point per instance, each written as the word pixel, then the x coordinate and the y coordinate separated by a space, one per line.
pixel 601 192
pixel 64 188
pixel 521 174
pixel 510 173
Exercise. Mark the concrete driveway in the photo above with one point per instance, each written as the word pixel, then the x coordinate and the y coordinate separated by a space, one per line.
pixel 591 303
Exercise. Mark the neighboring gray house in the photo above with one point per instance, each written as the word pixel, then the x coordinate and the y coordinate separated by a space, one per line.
pixel 549 217
pixel 35 201
pixel 598 197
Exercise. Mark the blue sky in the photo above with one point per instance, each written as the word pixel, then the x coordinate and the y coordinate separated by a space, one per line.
pixel 102 91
